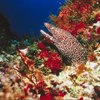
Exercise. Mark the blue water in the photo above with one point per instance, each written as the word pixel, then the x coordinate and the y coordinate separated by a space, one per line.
pixel 28 16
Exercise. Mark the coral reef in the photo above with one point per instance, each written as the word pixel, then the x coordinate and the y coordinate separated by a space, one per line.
pixel 34 69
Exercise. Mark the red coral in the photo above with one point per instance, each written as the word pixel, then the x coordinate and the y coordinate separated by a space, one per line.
pixel 64 27
pixel 81 98
pixel 77 27
pixel 54 63
pixel 98 17
pixel 80 25
pixel 64 12
pixel 60 93
pixel 27 88
pixel 30 62
pixel 41 45
pixel 40 86
pixel 47 96
pixel 75 6
pixel 85 8
pixel 52 60
pixel 98 30
pixel 74 32
pixel 43 54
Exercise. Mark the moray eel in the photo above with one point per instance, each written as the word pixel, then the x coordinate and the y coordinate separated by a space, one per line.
pixel 66 43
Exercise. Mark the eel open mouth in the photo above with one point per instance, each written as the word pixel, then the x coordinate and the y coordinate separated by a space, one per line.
pixel 50 29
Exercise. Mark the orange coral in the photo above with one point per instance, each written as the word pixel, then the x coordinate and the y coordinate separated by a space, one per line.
pixel 80 69
pixel 38 76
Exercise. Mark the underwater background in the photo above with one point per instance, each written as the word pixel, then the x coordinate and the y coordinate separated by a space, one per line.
pixel 62 65
pixel 28 16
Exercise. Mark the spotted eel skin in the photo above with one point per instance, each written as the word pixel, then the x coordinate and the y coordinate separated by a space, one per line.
pixel 66 43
